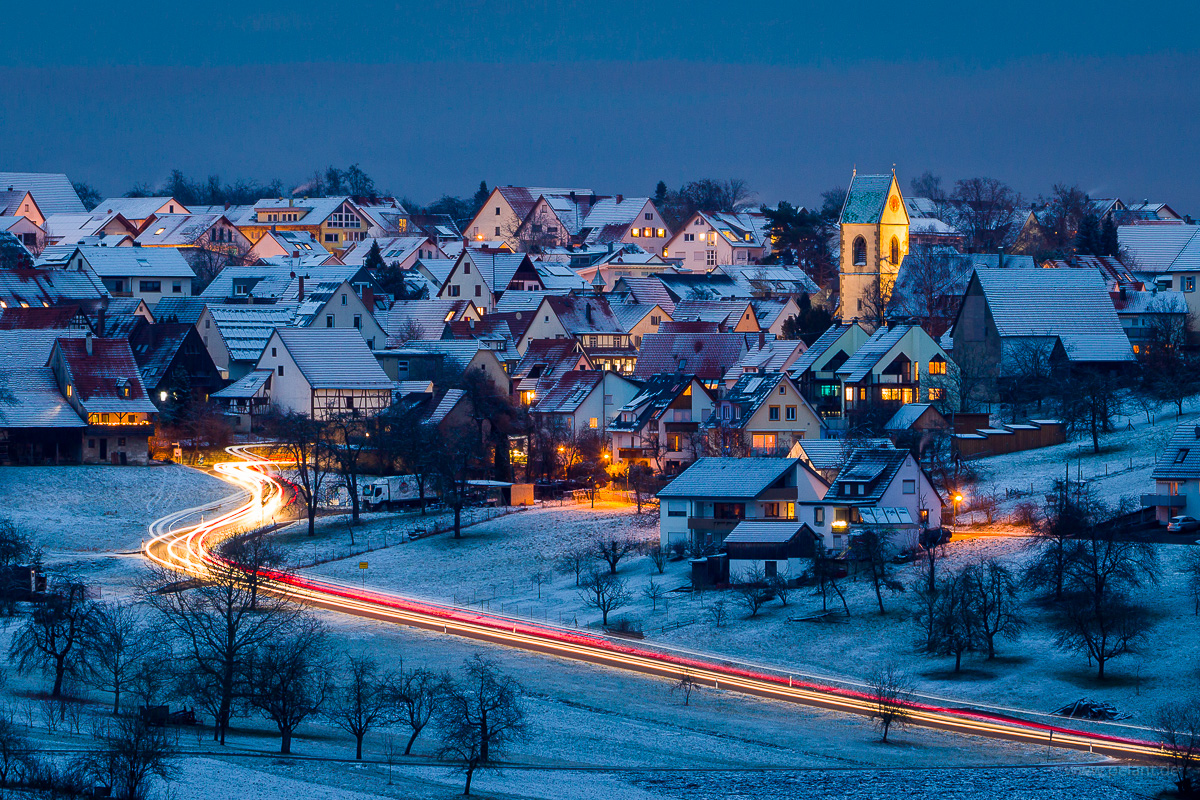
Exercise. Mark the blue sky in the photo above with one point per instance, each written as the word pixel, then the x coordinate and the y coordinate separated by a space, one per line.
pixel 433 97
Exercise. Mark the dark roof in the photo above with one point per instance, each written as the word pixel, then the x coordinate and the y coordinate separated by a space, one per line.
pixel 708 356
pixel 728 477
pixel 580 315
pixel 865 199
pixel 98 378
pixel 658 392
pixel 38 317
pixel 181 309
pixel 689 326
pixel 556 357
pixel 155 346
pixel 749 393
pixel 571 390
pixel 874 468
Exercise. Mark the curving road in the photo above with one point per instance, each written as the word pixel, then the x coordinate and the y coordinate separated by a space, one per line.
pixel 180 543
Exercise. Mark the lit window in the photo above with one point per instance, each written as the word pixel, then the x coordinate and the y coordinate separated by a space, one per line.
pixel 662 233
pixel 937 366
pixel 849 394
pixel 635 232
pixel 593 423
pixel 895 251
pixel 159 232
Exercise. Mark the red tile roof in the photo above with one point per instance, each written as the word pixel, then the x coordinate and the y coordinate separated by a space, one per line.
pixel 96 376
pixel 708 356
pixel 37 317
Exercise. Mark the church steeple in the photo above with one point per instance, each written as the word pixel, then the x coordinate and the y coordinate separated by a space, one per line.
pixel 874 242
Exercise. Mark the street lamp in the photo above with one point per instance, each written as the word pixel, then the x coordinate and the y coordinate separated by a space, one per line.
pixel 957 499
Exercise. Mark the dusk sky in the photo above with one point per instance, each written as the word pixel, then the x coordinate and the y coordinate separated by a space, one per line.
pixel 431 98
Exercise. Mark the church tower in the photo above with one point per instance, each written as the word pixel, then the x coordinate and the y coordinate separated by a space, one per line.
pixel 874 239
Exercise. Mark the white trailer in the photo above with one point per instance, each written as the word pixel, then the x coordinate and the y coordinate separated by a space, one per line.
pixel 395 491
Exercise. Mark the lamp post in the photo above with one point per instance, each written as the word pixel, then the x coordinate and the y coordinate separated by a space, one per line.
pixel 957 499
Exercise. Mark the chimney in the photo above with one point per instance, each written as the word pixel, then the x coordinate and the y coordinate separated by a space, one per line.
pixel 762 340
pixel 1198 431
pixel 587 312
pixel 620 198
pixel 87 343
pixel 100 320
pixel 1000 257
pixel 295 254
pixel 300 291
pixel 291 202
pixel 368 297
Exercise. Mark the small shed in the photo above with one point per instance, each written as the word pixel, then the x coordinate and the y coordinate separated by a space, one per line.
pixel 780 549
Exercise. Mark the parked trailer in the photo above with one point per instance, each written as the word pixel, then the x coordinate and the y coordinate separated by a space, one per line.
pixel 393 492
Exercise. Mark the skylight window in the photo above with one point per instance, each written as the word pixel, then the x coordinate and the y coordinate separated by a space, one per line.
pixel 159 232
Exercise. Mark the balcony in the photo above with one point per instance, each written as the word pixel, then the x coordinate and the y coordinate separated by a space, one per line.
pixel 710 525
pixel 1164 501
pixel 786 494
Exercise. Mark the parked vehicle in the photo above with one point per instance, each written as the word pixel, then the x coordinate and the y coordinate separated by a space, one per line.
pixel 1183 524
pixel 393 492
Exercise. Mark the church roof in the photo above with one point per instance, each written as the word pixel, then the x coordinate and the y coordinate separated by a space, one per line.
pixel 866 198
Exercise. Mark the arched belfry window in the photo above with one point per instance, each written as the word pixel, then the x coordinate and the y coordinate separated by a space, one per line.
pixel 895 251
pixel 860 252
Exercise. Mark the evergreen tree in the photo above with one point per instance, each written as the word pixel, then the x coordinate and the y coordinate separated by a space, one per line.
pixel 808 324
pixel 1089 240
pixel 374 260
pixel 660 194
pixel 1110 245
pixel 481 196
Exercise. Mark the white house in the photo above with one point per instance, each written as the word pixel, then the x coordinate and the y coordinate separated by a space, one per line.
pixel 323 373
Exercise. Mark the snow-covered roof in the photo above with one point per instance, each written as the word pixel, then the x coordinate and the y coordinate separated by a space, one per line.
pixel 334 358
pixel 245 329
pixel 1180 459
pixel 728 477
pixel 1156 248
pixel 249 385
pixel 53 192
pixel 762 532
pixel 141 262
pixel 36 400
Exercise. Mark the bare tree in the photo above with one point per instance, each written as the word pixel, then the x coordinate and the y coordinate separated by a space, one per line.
pixel 15 752
pixel 781 588
pixel 954 625
pixel 575 560
pixel 718 612
pixel 889 690
pixel 479 716
pixel 416 696
pixel 114 645
pixel 363 702
pixel 1179 731
pixel 302 440
pixel 992 594
pixel 288 677
pixel 1114 627
pixel 51 639
pixel 130 754
pixel 612 548
pixel 983 209
pixel 218 627
pixel 254 554
pixel 654 592
pixel 539 577
pixel 873 550
pixel 658 556
pixel 1073 509
pixel 604 592
pixel 685 686
pixel 348 436
pixel 752 590
pixel 825 573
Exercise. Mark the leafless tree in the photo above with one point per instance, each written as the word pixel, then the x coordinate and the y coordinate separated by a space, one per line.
pixel 575 560
pixel 752 589
pixel 479 717
pixel 1178 723
pixel 658 556
pixel 889 689
pixel 604 592
pixel 288 677
pixel 781 588
pixel 51 638
pixel 348 436
pixel 953 624
pixel 115 642
pixel 992 593
pixel 254 554
pixel 1073 510
pixel 416 696
pixel 611 548
pixel 148 681
pixel 1114 627
pixel 539 577
pixel 362 702
pixel 654 592
pixel 218 627
pixel 825 577
pixel 872 549
pixel 983 210
pixel 718 612
pixel 130 753
pixel 302 440
pixel 685 686
pixel 15 752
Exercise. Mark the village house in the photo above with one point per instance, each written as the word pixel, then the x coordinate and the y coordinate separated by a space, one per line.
pixel 26 231
pixel 768 354
pixel 730 315
pixel 295 249
pixel 876 488
pixel 235 334
pixel 37 424
pixel 708 240
pixel 397 251
pixel 815 370
pixel 112 230
pixel 762 414
pixel 639 319
pixel 323 373
pixel 149 273
pixel 141 210
pixel 100 380
pixel 770 550
pixel 659 427
pixel 334 222
pixel 1177 477
pixel 584 400
pixel 542 364
pixel 422 319
pixel 707 355
pixel 445 362
pixel 701 506
pixel 173 362
pixel 899 364
pixel 53 192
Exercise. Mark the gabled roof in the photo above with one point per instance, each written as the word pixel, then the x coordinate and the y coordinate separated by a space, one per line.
pixel 820 347
pixel 497 269
pixel 865 358
pixel 97 377
pixel 907 415
pixel 456 353
pixel 558 278
pixel 865 199
pixel 37 287
pixel 630 314
pixel 656 394
pixel 424 318
pixel 569 392
pixel 155 347
pixel 1169 303
pixel 38 317
pixel 872 468
pixel 73 229
pixel 1155 248
pixel 749 393
pixel 1180 458
pixel 582 315
pixel 766 532
pixel 708 286
pixel 394 248
pixel 706 355
pixel 52 191
pixel 492 328
pixel 177 230
pixel 1072 305
pixel 648 291
pixel 773 355
pixel 139 207
pixel 727 313
pixel 555 357
pixel 245 329
pixel 334 358
pixel 316 209
pixel 449 401
pixel 520 301
pixel 36 401
pixel 249 385
pixel 127 262
pixel 610 217
pixel 830 454
pixel 728 477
